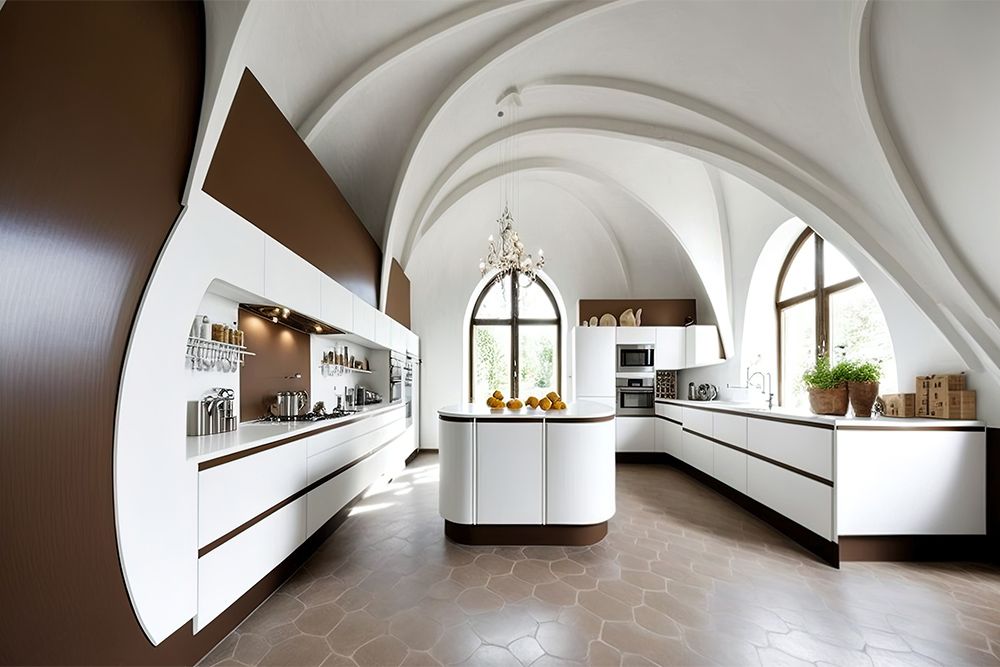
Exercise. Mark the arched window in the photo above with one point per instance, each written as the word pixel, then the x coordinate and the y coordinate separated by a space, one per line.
pixel 825 308
pixel 515 340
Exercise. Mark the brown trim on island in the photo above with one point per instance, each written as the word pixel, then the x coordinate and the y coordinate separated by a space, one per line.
pixel 235 456
pixel 525 535
pixel 909 548
pixel 639 457
pixel 765 459
pixel 530 420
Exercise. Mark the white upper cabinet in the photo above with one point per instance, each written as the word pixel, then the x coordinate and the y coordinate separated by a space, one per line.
pixel 701 343
pixel 397 336
pixel 383 326
pixel 670 348
pixel 337 307
pixel 636 335
pixel 291 281
pixel 594 357
pixel 364 319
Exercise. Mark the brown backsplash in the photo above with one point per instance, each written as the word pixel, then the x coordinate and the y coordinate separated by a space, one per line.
pixel 655 312
pixel 280 352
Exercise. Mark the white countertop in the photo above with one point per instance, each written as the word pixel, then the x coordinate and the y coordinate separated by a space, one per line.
pixel 752 410
pixel 574 410
pixel 253 434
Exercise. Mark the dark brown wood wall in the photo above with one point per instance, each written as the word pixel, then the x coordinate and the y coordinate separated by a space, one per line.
pixel 99 112
pixel 397 302
pixel 262 170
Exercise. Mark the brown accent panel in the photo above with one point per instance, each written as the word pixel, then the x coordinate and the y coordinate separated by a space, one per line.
pixel 915 548
pixel 902 427
pixel 579 420
pixel 655 312
pixel 101 102
pixel 639 457
pixel 263 171
pixel 281 352
pixel 525 535
pixel 397 301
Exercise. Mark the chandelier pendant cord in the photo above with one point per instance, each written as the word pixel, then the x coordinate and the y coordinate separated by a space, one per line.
pixel 505 254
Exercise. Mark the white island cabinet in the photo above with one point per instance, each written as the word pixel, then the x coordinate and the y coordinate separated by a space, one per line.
pixel 527 476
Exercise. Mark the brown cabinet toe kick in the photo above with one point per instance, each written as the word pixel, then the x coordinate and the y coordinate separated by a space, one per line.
pixel 525 535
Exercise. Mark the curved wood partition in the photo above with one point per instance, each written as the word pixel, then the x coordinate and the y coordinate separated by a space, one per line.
pixel 97 128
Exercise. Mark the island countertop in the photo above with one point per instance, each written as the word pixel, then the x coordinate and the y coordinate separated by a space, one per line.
pixel 575 411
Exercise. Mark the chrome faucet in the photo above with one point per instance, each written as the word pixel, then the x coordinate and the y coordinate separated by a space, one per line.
pixel 770 387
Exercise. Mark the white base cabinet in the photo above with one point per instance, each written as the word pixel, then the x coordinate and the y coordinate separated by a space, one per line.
pixel 803 500
pixel 698 452
pixel 730 467
pixel 669 437
pixel 635 434
pixel 578 488
pixel 230 570
pixel 509 465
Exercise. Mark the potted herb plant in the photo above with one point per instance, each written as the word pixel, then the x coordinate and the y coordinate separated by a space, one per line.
pixel 827 387
pixel 862 385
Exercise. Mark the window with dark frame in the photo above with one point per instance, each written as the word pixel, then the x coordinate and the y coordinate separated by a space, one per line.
pixel 515 340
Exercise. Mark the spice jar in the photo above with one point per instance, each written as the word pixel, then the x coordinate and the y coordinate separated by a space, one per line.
pixel 219 333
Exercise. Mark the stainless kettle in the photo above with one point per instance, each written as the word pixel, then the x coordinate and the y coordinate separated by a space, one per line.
pixel 290 403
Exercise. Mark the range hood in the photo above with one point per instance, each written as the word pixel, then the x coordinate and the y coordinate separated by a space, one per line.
pixel 290 318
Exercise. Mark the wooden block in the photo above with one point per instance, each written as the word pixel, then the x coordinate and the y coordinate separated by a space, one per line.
pixel 933 392
pixel 954 405
pixel 900 405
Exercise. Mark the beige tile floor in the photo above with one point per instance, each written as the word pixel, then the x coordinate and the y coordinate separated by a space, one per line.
pixel 684 577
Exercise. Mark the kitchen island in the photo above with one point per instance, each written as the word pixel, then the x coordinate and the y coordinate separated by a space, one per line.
pixel 526 477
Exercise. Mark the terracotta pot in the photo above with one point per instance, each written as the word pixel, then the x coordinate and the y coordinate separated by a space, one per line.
pixel 863 395
pixel 828 401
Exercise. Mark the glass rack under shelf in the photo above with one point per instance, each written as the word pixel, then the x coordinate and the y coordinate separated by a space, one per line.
pixel 213 355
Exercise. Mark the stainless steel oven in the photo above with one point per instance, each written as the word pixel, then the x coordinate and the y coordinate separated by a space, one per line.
pixel 635 397
pixel 635 359
pixel 408 389
pixel 396 364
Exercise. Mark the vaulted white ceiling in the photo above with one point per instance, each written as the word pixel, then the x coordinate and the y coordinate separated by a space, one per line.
pixel 874 123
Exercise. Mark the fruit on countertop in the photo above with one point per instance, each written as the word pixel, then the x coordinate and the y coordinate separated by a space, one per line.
pixel 532 402
pixel 559 405
pixel 498 395
pixel 493 403
pixel 545 403
pixel 552 396
pixel 514 404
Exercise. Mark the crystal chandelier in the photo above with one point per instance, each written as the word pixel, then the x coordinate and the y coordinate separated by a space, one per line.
pixel 505 255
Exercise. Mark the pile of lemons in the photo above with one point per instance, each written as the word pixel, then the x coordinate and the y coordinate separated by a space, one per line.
pixel 551 401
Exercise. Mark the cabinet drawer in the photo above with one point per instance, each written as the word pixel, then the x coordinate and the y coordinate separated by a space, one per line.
pixel 699 421
pixel 731 467
pixel 804 447
pixel 635 434
pixel 230 570
pixel 327 499
pixel 233 493
pixel 580 473
pixel 335 458
pixel 337 436
pixel 698 452
pixel 805 501
pixel 730 428
pixel 670 411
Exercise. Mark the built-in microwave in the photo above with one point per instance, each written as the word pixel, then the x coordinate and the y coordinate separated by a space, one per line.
pixel 635 359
